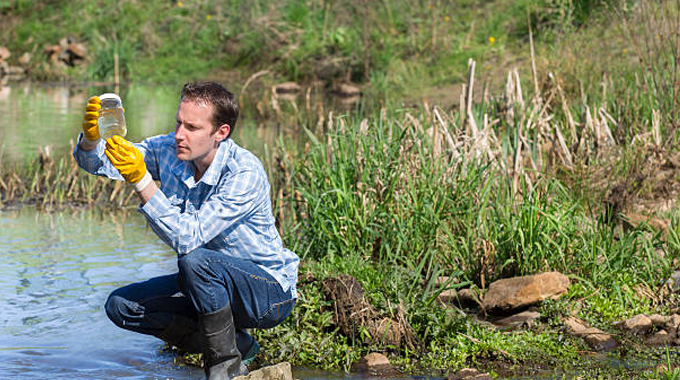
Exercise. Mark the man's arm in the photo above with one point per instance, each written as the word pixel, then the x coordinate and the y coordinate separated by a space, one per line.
pixel 235 198
pixel 148 192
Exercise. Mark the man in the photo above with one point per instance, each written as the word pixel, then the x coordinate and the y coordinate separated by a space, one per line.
pixel 213 208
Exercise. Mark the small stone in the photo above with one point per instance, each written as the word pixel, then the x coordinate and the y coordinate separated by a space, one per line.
pixel 661 338
pixel 469 374
pixel 25 59
pixel 658 320
pixel 287 88
pixel 639 324
pixel 281 371
pixel 77 49
pixel 375 364
pixel 596 338
pixel 633 220
pixel 469 297
pixel 4 53
pixel 344 89
pixel 674 282
pixel 525 318
pixel 447 297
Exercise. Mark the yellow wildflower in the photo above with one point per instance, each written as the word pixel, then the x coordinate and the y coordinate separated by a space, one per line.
pixel 492 40
pixel 208 17
pixel 180 4
pixel 447 19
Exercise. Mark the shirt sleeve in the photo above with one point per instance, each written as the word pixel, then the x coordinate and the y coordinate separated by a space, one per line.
pixel 95 161
pixel 236 197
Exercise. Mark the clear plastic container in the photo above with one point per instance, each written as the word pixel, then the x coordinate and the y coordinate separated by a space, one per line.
pixel 111 116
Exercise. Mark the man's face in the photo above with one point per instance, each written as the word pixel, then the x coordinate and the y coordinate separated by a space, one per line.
pixel 194 135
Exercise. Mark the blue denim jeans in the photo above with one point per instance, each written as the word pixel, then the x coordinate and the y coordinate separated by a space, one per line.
pixel 206 282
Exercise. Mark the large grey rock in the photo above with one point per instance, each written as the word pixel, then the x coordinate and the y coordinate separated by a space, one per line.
pixel 596 338
pixel 510 294
pixel 281 371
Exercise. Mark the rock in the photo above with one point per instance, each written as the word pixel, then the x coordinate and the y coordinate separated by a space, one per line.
pixel 447 297
pixel 672 325
pixel 287 88
pixel 661 338
pixel 445 280
pixel 375 364
pixel 4 53
pixel 639 324
pixel 515 293
pixel 469 297
pixel 634 220
pixel 25 59
pixel 659 320
pixel 674 282
pixel 470 374
pixel 596 338
pixel 77 49
pixel 523 319
pixel 346 90
pixel 15 71
pixel 281 371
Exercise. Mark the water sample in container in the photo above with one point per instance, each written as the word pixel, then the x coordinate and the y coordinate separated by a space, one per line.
pixel 111 117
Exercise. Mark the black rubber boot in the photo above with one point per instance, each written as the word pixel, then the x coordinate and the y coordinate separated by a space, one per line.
pixel 221 357
pixel 184 334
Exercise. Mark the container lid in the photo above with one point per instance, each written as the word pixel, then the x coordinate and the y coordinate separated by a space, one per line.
pixel 110 100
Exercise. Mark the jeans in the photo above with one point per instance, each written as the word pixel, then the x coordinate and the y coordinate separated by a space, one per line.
pixel 168 306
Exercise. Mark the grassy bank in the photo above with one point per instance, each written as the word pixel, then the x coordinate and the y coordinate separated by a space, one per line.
pixel 393 47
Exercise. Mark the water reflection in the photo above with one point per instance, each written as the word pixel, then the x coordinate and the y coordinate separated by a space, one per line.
pixel 56 271
pixel 37 115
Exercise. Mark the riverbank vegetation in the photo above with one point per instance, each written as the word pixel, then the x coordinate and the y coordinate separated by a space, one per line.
pixel 567 162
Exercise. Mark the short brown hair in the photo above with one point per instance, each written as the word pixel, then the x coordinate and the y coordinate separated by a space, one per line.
pixel 225 107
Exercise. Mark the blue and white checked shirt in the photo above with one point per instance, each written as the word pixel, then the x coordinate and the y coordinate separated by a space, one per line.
pixel 227 210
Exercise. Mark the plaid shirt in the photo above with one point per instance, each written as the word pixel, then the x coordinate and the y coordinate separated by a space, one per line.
pixel 227 210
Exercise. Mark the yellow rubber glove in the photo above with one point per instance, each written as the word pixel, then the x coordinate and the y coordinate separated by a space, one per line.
pixel 126 158
pixel 90 123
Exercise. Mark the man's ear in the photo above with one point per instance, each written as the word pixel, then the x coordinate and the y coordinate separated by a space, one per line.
pixel 222 132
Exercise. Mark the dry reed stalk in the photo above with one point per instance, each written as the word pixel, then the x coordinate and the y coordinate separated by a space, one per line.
pixel 447 135
pixel 469 98
pixel 537 93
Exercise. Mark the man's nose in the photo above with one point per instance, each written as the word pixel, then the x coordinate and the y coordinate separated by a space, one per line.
pixel 179 133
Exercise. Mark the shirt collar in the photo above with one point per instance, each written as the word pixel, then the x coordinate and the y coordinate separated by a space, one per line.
pixel 185 169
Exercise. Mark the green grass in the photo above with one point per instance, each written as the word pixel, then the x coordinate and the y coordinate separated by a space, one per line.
pixel 165 41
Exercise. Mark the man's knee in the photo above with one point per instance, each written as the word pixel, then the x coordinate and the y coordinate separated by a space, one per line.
pixel 114 307
pixel 191 268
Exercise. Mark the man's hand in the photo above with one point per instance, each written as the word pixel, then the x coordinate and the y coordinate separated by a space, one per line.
pixel 129 161
pixel 90 123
